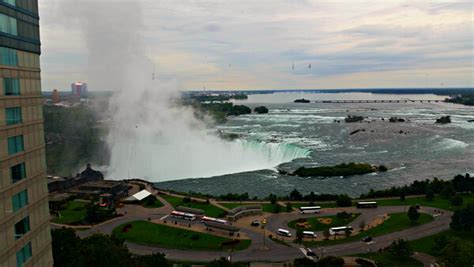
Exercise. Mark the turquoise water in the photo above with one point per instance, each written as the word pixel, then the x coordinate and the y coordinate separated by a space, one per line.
pixel 309 135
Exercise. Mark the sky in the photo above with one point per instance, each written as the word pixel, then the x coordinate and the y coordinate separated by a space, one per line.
pixel 255 44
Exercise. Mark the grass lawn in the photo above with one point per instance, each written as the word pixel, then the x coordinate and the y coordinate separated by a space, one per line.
pixel 317 226
pixel 210 210
pixel 388 260
pixel 437 202
pixel 426 243
pixel 74 212
pixel 157 204
pixel 148 233
pixel 396 222
pixel 266 207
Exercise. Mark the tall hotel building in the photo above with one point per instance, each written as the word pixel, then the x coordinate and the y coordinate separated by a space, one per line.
pixel 25 238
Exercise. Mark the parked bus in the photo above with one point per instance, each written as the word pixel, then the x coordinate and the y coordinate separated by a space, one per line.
pixel 309 234
pixel 183 215
pixel 339 230
pixel 315 209
pixel 367 204
pixel 211 219
pixel 207 219
pixel 284 232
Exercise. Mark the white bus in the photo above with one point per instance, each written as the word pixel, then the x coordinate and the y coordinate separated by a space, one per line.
pixel 284 232
pixel 211 219
pixel 309 234
pixel 315 209
pixel 367 204
pixel 339 230
pixel 183 215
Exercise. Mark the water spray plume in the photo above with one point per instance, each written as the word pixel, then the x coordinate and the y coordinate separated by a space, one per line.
pixel 151 137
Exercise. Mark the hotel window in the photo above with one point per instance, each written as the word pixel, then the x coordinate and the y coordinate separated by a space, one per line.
pixel 8 56
pixel 22 227
pixel 18 172
pixel 20 200
pixel 15 144
pixel 11 86
pixel 13 115
pixel 23 255
pixel 8 24
pixel 10 2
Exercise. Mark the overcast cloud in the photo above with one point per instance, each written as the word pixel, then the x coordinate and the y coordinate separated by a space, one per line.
pixel 253 44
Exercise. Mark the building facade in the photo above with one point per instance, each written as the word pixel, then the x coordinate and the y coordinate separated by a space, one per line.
pixel 25 238
pixel 79 89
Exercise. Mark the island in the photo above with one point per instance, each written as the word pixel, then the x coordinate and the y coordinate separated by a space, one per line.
pixel 261 110
pixel 467 99
pixel 356 118
pixel 302 100
pixel 396 119
pixel 444 120
pixel 344 169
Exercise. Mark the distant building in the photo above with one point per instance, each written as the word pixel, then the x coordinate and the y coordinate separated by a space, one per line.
pixel 62 184
pixel 79 90
pixel 55 97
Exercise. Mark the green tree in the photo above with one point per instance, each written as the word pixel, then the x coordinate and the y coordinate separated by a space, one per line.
pixel 276 208
pixel 402 196
pixel 400 248
pixel 413 214
pixel 326 234
pixel 457 254
pixel 348 232
pixel 289 208
pixel 463 219
pixel 222 262
pixel 299 236
pixel 330 261
pixel 429 195
pixel 273 198
pixel 344 201
pixel 295 195
pixel 457 200
pixel 448 191
pixel 155 259
pixel 65 245
pixel 151 200
pixel 304 262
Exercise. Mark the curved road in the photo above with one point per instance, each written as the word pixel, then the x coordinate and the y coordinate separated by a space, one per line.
pixel 274 251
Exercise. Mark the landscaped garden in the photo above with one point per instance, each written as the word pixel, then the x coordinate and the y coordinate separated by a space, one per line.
pixel 72 212
pixel 437 202
pixel 396 222
pixel 147 233
pixel 209 209
pixel 323 223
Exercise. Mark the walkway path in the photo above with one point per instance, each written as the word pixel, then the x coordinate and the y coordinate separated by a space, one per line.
pixel 274 251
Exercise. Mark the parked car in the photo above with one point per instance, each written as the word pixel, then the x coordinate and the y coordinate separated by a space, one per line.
pixel 310 253
pixel 367 239
pixel 255 223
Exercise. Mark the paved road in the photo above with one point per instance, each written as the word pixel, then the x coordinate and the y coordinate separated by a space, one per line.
pixel 274 251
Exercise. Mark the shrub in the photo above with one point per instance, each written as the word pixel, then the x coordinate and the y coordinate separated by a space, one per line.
pixel 457 201
pixel 344 201
pixel 343 215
